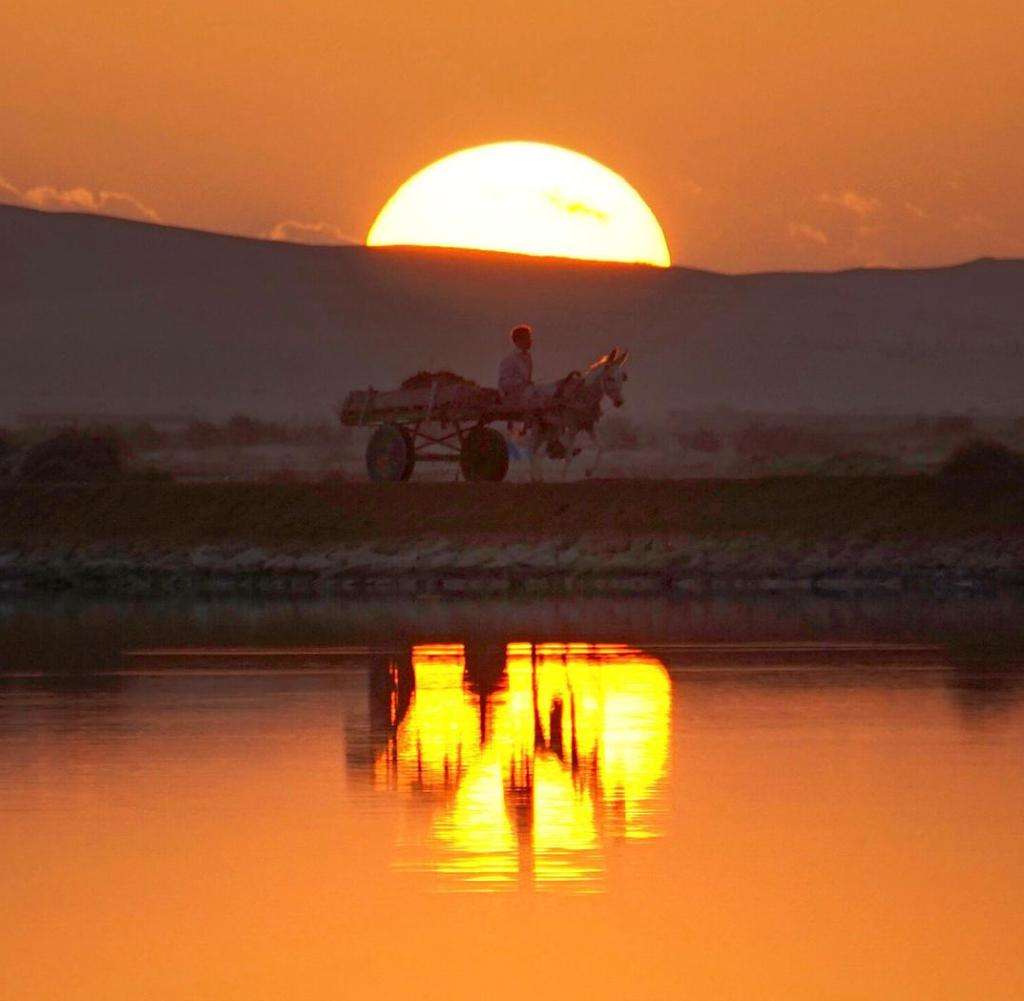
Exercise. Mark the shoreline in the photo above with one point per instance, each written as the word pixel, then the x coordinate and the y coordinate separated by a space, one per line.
pixel 641 565
pixel 618 537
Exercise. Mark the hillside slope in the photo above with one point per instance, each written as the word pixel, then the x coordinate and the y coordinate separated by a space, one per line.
pixel 102 314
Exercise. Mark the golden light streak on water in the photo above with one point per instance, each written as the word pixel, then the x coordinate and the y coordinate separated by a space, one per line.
pixel 570 749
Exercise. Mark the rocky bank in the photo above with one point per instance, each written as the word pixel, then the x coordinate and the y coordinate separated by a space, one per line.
pixel 587 564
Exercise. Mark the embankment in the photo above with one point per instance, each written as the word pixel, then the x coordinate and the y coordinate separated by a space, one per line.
pixel 822 534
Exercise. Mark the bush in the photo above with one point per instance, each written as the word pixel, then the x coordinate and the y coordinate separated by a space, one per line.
pixel 859 463
pixel 283 475
pixel 243 430
pixel 321 434
pixel 73 456
pixel 143 437
pixel 951 425
pixel 616 432
pixel 702 440
pixel 150 474
pixel 984 460
pixel 8 457
pixel 761 441
pixel 203 434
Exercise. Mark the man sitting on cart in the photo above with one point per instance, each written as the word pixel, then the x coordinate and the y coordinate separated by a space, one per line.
pixel 515 383
pixel 515 374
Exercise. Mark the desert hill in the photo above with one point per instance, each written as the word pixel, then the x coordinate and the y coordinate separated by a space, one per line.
pixel 106 315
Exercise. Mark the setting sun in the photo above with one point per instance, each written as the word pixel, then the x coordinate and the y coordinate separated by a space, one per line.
pixel 523 198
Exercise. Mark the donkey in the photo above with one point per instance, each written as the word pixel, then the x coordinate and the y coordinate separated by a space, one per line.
pixel 576 407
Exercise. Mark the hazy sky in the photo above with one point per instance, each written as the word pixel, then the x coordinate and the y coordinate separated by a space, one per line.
pixel 799 133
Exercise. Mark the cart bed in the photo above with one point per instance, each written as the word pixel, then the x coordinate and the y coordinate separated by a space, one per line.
pixel 443 404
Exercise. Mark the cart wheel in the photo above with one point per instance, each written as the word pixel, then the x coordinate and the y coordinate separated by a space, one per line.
pixel 484 455
pixel 390 454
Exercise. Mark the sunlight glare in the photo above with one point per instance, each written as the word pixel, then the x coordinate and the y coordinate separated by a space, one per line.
pixel 578 728
pixel 523 198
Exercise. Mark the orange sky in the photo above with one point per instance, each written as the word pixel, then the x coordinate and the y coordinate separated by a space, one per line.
pixel 798 133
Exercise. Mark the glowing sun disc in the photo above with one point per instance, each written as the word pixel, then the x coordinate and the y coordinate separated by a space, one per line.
pixel 523 198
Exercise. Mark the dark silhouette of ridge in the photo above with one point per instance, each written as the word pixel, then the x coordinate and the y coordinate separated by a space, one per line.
pixel 111 315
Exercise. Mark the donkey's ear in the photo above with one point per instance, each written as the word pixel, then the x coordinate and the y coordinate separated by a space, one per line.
pixel 612 357
pixel 623 355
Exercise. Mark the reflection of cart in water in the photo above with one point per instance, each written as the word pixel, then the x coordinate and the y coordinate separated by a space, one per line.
pixel 532 754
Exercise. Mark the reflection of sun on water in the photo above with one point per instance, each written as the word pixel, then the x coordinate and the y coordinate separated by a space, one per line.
pixel 570 748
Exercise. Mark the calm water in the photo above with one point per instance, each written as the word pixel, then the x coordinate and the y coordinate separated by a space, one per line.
pixel 571 800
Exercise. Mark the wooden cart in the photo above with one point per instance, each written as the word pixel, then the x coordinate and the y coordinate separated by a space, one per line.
pixel 439 423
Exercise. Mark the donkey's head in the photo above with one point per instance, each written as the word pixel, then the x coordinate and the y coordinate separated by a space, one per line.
pixel 612 374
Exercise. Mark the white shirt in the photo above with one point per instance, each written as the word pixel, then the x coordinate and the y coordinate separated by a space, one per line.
pixel 515 373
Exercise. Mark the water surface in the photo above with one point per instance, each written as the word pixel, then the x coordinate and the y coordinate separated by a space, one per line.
pixel 601 800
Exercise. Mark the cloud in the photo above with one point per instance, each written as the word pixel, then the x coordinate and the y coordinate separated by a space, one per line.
pixel 8 191
pixel 804 231
pixel 575 206
pixel 845 228
pixel 977 226
pixel 868 232
pixel 292 231
pixel 848 228
pixel 974 222
pixel 51 199
pixel 114 203
pixel 852 201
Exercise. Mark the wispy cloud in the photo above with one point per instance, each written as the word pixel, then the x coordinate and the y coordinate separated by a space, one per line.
pixel 994 237
pixel 804 231
pixel 852 201
pixel 292 231
pixel 8 192
pixel 853 229
pixel 574 206
pixel 52 199
pixel 115 203
pixel 974 222
pixel 848 228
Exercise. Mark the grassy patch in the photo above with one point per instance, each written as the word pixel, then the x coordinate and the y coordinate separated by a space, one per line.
pixel 284 513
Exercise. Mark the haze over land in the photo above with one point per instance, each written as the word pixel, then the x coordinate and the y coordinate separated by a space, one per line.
pixel 108 316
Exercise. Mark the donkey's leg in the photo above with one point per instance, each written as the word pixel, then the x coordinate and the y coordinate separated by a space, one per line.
pixel 571 451
pixel 536 469
pixel 536 472
pixel 596 442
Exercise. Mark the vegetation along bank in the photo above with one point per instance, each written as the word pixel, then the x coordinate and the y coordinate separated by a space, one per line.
pixel 827 534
